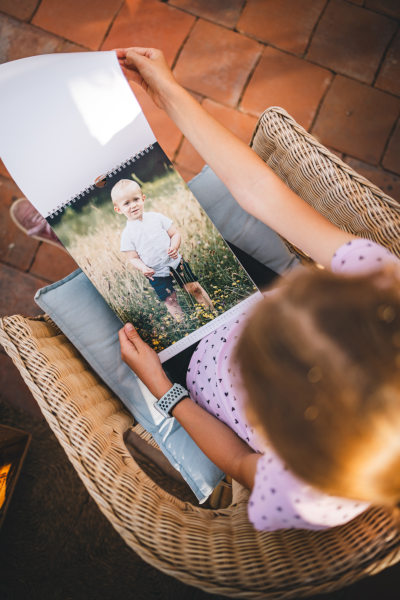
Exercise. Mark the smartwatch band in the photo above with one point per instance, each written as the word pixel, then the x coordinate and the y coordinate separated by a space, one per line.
pixel 167 402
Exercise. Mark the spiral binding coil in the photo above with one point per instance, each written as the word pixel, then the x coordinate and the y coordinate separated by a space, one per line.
pixel 118 168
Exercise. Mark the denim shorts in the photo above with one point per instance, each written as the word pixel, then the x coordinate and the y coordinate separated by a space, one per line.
pixel 164 286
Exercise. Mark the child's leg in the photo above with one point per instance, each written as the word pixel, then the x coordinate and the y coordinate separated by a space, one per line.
pixel 199 294
pixel 173 306
pixel 164 288
pixel 187 280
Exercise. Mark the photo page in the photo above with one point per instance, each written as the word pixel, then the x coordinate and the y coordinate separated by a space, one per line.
pixel 121 232
pixel 83 154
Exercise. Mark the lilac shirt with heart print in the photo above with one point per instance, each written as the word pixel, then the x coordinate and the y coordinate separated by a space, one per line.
pixel 279 499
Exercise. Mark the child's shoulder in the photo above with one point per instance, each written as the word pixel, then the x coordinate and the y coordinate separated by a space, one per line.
pixel 156 217
pixel 152 213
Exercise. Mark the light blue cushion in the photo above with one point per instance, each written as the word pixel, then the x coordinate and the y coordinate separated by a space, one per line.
pixel 81 313
pixel 238 227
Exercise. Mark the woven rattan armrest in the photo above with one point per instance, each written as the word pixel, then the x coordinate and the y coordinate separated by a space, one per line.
pixel 324 181
pixel 216 550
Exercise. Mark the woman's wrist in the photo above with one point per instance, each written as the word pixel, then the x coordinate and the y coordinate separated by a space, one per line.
pixel 181 406
pixel 161 387
pixel 172 97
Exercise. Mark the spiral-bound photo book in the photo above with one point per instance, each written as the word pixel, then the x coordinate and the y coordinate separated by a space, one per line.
pixel 76 142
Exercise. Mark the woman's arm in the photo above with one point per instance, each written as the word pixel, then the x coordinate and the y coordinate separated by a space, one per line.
pixel 214 438
pixel 226 450
pixel 254 185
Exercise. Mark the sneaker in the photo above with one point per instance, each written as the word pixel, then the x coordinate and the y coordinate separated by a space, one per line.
pixel 31 222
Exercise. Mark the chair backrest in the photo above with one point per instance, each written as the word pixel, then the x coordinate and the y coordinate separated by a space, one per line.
pixel 216 550
pixel 324 181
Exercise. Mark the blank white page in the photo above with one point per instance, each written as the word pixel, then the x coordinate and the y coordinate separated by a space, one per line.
pixel 65 119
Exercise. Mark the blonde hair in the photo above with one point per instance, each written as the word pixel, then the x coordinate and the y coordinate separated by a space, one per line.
pixel 320 360
pixel 120 187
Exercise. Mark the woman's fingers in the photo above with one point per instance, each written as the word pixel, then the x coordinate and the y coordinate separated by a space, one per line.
pixel 129 66
pixel 148 68
pixel 129 340
pixel 120 52
pixel 134 54
pixel 131 74
pixel 149 52
pixel 132 334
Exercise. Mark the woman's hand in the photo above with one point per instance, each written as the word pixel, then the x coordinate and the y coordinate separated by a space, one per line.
pixel 148 68
pixel 143 361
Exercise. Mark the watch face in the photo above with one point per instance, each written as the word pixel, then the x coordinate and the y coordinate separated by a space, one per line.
pixel 167 402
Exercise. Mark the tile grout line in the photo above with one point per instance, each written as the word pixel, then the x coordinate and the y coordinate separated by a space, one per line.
pixel 180 49
pixel 257 61
pixel 378 167
pixel 174 62
pixel 387 171
pixel 33 26
pixel 26 271
pixel 384 56
pixel 234 30
pixel 323 11
pixel 34 12
pixel 313 62
pixel 320 103
pixel 368 85
pixel 33 260
pixel 391 94
pixel 248 36
pixel 209 20
pixel 302 58
pixel 111 24
pixel 221 103
pixel 201 17
pixel 244 4
pixel 372 10
pixel 321 66
pixel 353 4
pixel 388 140
pixel 249 76
pixel 377 12
pixel 178 149
pixel 33 257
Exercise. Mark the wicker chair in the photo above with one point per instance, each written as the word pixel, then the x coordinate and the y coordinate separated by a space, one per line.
pixel 214 549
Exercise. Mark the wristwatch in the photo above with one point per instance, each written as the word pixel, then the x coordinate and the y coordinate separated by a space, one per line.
pixel 167 402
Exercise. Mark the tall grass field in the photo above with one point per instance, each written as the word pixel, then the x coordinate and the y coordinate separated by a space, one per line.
pixel 91 230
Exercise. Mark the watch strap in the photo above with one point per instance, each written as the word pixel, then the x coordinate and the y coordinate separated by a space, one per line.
pixel 167 402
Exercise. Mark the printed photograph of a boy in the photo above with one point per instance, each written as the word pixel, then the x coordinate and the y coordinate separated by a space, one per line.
pixel 149 248
pixel 150 242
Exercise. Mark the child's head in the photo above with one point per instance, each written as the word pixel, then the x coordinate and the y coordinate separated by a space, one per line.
pixel 320 360
pixel 128 199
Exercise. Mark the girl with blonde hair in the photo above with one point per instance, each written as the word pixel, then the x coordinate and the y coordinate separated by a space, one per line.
pixel 300 399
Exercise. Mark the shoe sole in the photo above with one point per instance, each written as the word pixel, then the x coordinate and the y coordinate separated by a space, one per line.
pixel 34 237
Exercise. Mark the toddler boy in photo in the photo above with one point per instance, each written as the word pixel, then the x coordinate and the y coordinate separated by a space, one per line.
pixel 151 243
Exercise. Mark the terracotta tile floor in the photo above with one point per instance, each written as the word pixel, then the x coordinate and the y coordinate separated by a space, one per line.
pixel 334 64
